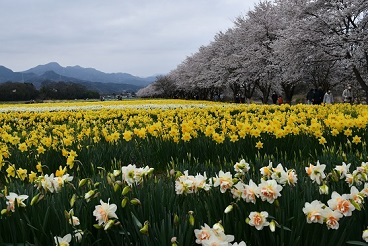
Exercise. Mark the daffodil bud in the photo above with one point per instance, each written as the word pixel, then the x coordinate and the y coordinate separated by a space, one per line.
pixel 176 219
pixel 109 224
pixel 218 226
pixel 89 195
pixel 126 190
pixel 116 187
pixel 355 204
pixel 97 184
pixel 124 202
pixel 109 180
pixel 82 182
pixel 173 241
pixel 144 229
pixel 323 189
pixel 229 208
pixel 191 218
pixel 272 226
pixel 72 200
pixel 116 173
pixel 135 201
pixel 4 211
pixel 35 199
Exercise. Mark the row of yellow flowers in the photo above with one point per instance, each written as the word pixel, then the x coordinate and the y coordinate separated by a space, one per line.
pixel 36 129
pixel 62 129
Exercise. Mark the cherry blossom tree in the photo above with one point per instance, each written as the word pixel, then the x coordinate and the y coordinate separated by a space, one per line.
pixel 256 34
pixel 339 29
pixel 165 86
pixel 288 51
pixel 281 45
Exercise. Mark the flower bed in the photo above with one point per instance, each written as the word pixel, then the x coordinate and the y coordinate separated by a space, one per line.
pixel 183 173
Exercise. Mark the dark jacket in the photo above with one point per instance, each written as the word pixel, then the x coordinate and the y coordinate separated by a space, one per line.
pixel 318 96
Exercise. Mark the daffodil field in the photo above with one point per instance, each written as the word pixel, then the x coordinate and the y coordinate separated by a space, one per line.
pixel 175 172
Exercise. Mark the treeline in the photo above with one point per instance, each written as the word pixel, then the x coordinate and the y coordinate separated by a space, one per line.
pixel 50 90
pixel 282 46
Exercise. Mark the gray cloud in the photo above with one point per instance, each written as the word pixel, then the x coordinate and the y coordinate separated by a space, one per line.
pixel 141 37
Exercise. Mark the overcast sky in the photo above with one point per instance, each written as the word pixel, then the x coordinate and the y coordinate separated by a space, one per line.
pixel 140 37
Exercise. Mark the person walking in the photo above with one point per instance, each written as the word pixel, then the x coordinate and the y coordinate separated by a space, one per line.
pixel 280 101
pixel 310 96
pixel 274 97
pixel 328 98
pixel 318 96
pixel 347 95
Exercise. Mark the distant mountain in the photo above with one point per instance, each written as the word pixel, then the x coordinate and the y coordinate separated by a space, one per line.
pixel 93 79
pixel 7 74
pixel 91 74
pixel 37 80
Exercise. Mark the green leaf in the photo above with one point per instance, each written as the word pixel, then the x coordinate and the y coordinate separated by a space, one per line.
pixel 283 227
pixel 356 243
pixel 136 221
pixel 45 220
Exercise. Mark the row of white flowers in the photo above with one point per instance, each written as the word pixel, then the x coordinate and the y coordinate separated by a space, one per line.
pixel 270 187
pixel 50 108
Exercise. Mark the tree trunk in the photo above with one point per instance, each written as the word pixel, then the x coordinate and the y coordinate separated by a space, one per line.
pixel 361 82
pixel 249 89
pixel 265 93
pixel 289 91
pixel 235 87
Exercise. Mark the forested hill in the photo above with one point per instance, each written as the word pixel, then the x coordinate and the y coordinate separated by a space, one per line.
pixel 91 78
